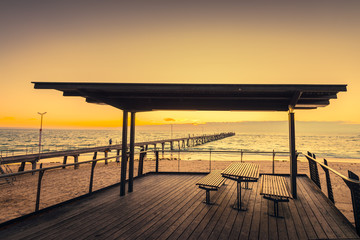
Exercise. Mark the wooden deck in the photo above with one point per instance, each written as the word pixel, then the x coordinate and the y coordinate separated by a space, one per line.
pixel 169 206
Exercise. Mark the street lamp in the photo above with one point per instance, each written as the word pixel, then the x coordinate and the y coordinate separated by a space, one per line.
pixel 41 114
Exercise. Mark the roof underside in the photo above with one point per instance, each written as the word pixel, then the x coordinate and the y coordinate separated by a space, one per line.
pixel 221 97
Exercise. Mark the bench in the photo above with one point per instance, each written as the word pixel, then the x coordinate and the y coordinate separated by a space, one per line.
pixel 211 182
pixel 275 188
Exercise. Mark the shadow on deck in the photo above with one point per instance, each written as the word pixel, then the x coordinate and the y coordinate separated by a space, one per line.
pixel 169 206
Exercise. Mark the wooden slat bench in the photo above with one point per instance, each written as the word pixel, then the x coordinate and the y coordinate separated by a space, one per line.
pixel 275 189
pixel 211 182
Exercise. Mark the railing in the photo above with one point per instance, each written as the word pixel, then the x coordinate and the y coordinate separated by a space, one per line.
pixel 352 182
pixel 240 152
pixel 142 157
pixel 42 171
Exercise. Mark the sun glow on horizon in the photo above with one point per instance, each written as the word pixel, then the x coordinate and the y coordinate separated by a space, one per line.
pixel 237 43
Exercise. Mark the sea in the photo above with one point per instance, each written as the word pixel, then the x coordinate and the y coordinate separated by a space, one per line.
pixel 338 148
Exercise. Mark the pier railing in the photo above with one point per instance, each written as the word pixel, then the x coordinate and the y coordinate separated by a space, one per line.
pixel 237 155
pixel 352 181
pixel 145 164
pixel 41 171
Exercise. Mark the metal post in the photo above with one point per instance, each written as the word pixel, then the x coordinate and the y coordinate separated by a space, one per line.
pixel 41 121
pixel 92 176
pixel 132 149
pixel 156 161
pixel 41 174
pixel 273 165
pixel 210 162
pixel 123 153
pixel 355 193
pixel 106 156
pixel 293 154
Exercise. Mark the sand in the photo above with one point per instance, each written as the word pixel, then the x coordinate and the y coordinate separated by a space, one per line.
pixel 59 185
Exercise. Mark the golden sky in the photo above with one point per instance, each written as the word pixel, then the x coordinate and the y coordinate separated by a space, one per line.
pixel 275 42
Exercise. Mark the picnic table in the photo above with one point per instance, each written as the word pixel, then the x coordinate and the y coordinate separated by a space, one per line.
pixel 241 172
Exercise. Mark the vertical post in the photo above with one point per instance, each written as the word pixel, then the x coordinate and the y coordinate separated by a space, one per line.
pixel 123 153
pixel 22 167
pixel 76 160
pixel 210 162
pixel 157 161
pixel 355 193
pixel 106 156
pixel 163 148
pixel 64 161
pixel 328 182
pixel 132 149
pixel 242 155
pixel 117 155
pixel 273 163
pixel 41 121
pixel 93 164
pixel 41 174
pixel 141 160
pixel 293 154
pixel 33 164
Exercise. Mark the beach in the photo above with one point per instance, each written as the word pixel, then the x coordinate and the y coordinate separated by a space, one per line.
pixel 59 185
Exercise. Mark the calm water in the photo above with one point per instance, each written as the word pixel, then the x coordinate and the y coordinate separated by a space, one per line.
pixel 21 141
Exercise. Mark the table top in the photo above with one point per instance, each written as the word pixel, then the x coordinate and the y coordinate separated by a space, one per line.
pixel 249 171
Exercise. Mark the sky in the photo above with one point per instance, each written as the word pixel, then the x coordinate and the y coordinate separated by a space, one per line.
pixel 235 42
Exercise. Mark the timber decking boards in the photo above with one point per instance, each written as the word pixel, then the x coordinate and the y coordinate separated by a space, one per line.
pixel 169 206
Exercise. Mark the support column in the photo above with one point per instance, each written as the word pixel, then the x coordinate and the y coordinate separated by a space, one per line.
pixel 132 149
pixel 293 154
pixel 123 153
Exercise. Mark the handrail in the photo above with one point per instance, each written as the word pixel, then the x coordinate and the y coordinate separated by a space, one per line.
pixel 224 151
pixel 54 167
pixel 332 170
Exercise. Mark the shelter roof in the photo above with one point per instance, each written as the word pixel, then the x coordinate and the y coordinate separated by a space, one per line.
pixel 223 97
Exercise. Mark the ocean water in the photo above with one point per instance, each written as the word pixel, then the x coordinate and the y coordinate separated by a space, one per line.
pixel 25 141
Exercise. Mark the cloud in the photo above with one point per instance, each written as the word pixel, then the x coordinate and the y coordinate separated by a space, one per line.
pixel 8 118
pixel 169 119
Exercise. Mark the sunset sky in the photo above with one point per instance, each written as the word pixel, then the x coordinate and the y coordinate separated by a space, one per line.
pixel 274 42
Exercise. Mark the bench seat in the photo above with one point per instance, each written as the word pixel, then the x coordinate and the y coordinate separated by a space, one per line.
pixel 211 182
pixel 275 188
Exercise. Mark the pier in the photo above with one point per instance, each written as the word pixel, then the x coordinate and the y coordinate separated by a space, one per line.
pixel 180 143
pixel 168 205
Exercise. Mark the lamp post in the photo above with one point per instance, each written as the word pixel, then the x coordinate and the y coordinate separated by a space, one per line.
pixel 41 114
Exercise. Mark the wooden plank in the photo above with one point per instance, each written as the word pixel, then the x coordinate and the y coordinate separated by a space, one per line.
pixel 256 216
pixel 83 224
pixel 143 214
pixel 226 219
pixel 318 217
pixel 78 221
pixel 329 212
pixel 290 225
pixel 246 226
pixel 200 223
pixel 264 219
pixel 281 225
pixel 234 219
pixel 273 227
pixel 302 223
pixel 175 230
pixel 220 213
pixel 161 216
pixel 164 230
pixel 158 210
pixel 66 214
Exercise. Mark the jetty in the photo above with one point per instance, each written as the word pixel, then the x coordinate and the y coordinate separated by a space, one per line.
pixel 164 205
pixel 181 143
